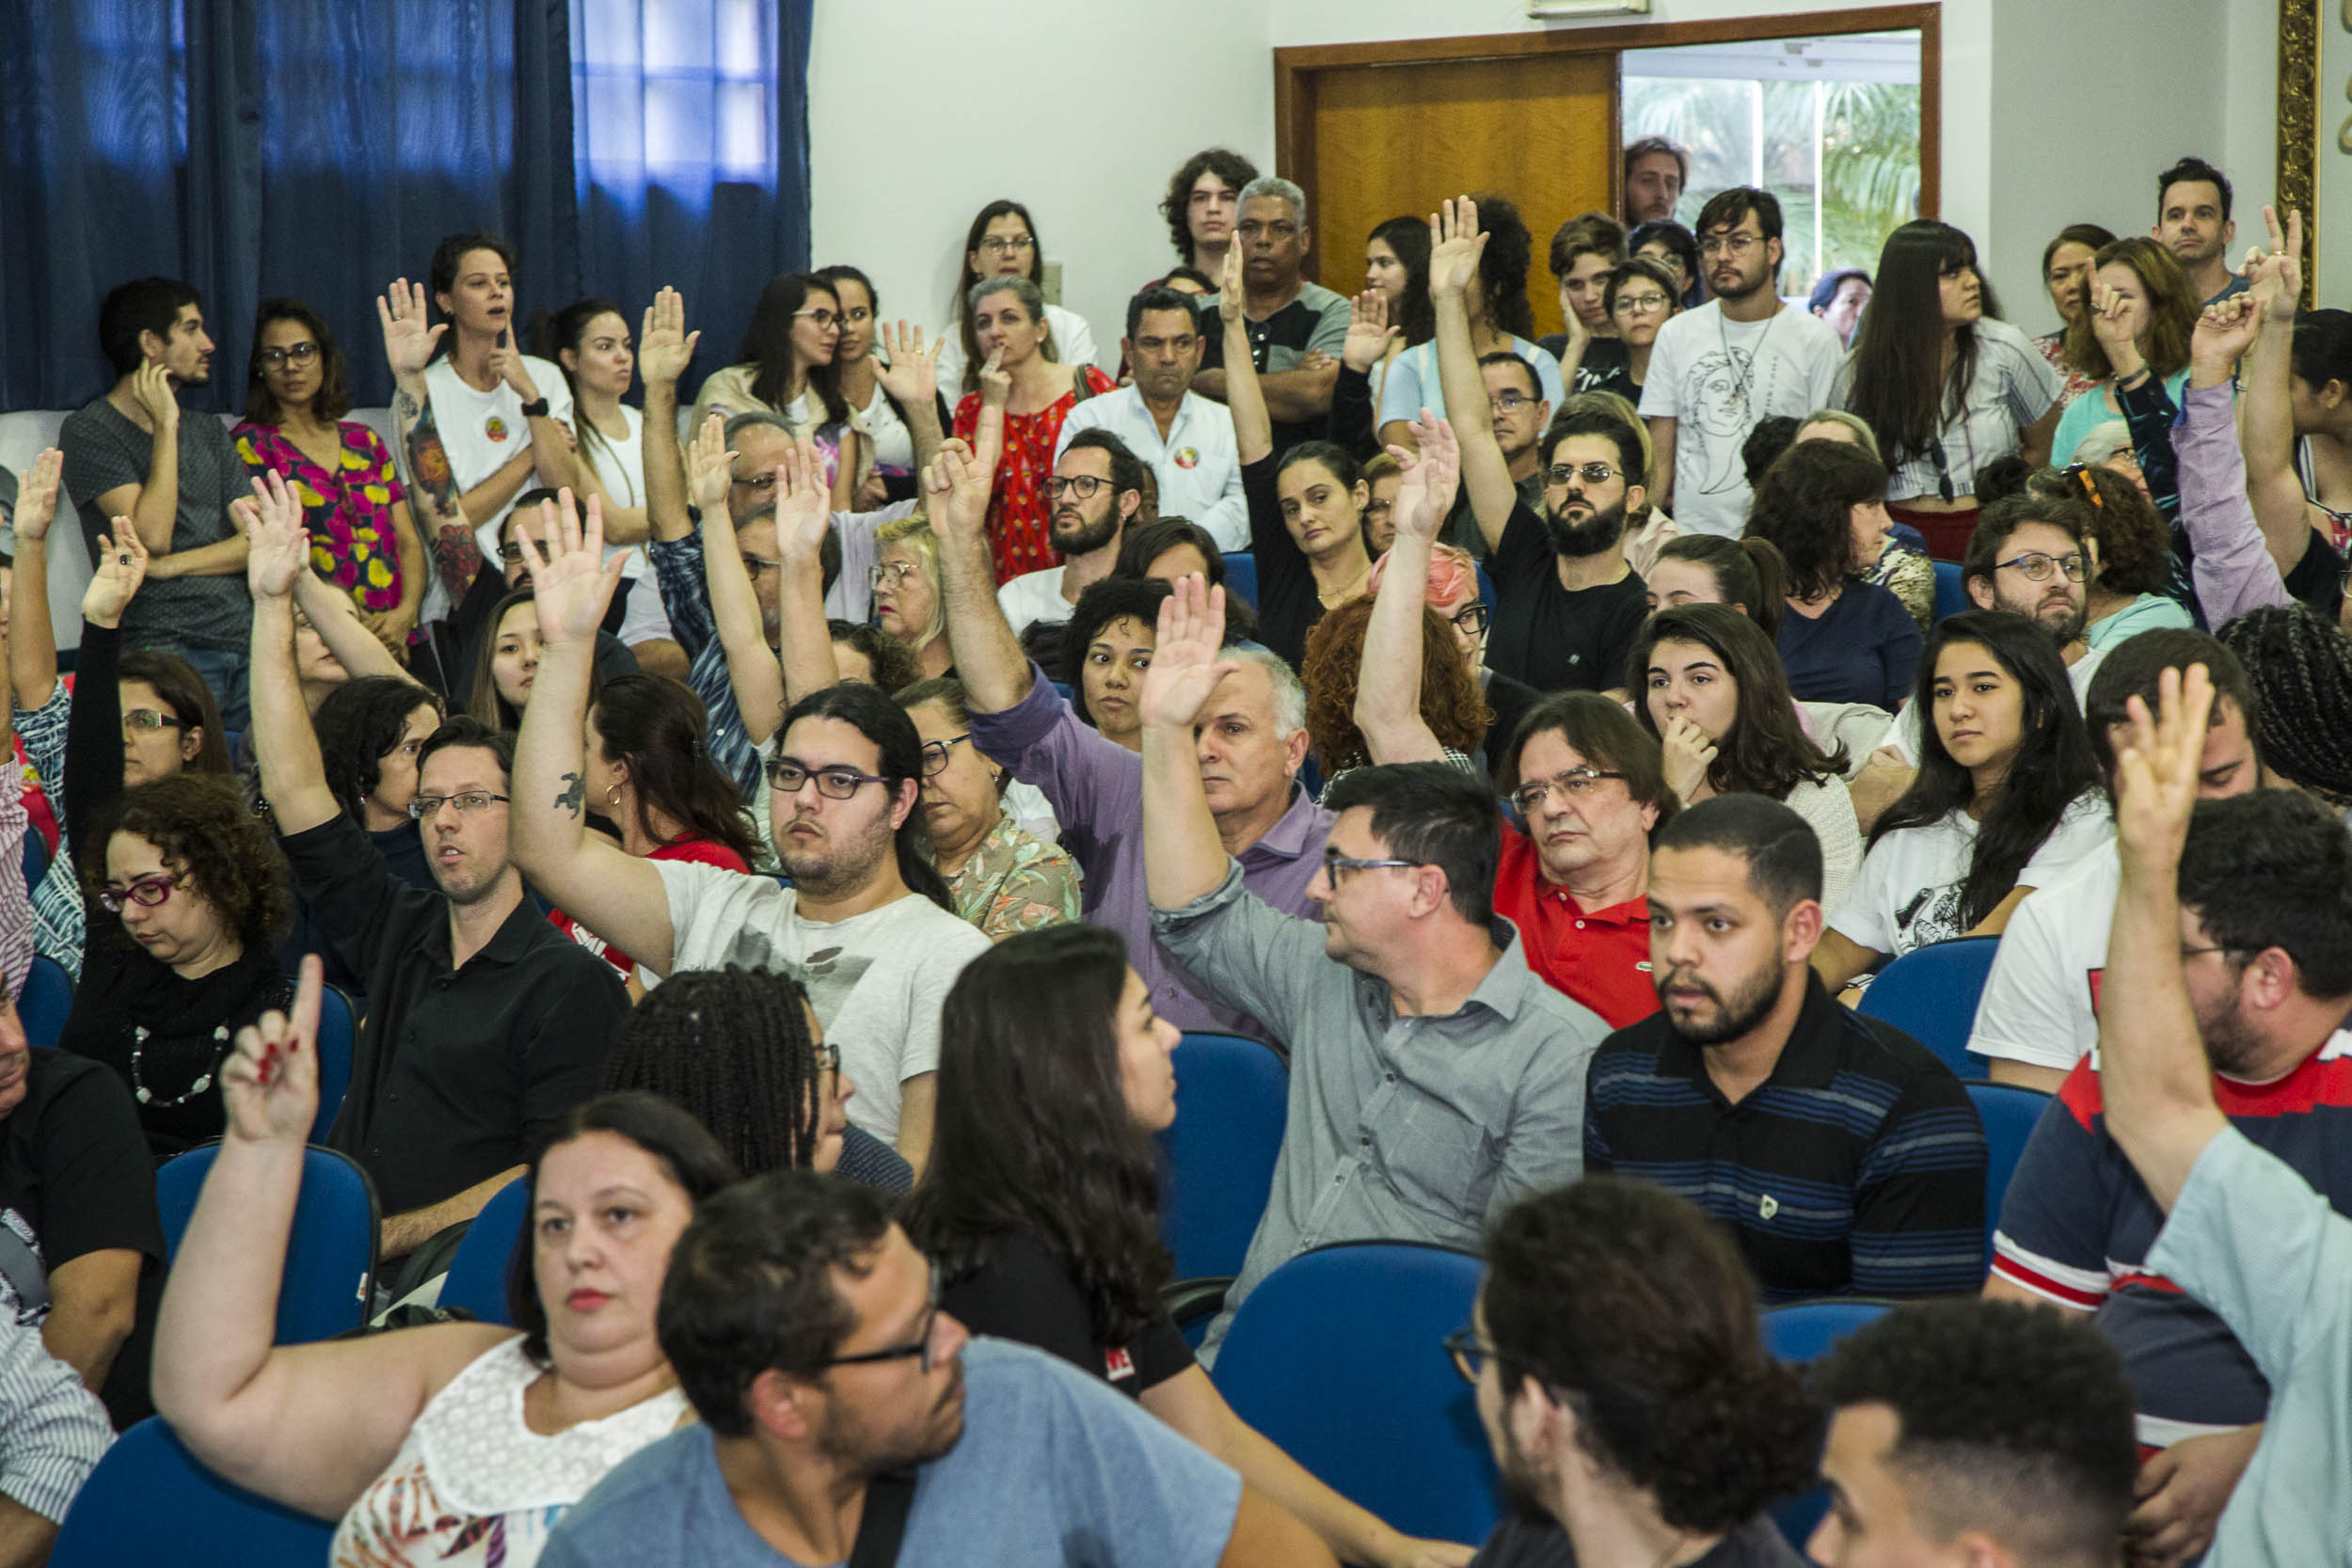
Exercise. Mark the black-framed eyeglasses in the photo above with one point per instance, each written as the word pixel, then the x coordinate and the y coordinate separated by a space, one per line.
pixel 919 1346
pixel 148 718
pixel 1577 784
pixel 2037 566
pixel 145 892
pixel 1085 485
pixel 1472 618
pixel 1469 1353
pixel 1557 475
pixel 786 777
pixel 299 354
pixel 1334 862
pixel 425 807
pixel 1943 470
pixel 936 752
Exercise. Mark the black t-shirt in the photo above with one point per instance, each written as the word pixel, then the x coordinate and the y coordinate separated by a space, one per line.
pixel 1607 366
pixel 1511 702
pixel 1025 1297
pixel 2317 580
pixel 1545 636
pixel 75 1178
pixel 1540 1543
pixel 1288 605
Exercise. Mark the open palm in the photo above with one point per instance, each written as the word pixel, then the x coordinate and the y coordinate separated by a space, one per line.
pixel 911 374
pixel 122 566
pixel 572 582
pixel 1455 246
pixel 1184 666
pixel 664 344
pixel 407 340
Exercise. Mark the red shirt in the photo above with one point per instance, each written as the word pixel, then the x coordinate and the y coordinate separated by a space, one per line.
pixel 1020 512
pixel 701 851
pixel 1600 958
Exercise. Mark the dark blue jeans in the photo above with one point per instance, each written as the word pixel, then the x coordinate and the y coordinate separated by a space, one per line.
pixel 228 674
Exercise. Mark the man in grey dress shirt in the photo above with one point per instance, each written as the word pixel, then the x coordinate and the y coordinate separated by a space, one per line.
pixel 1435 1079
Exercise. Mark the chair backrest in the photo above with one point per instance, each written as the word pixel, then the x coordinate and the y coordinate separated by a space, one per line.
pixel 1338 1357
pixel 330 1253
pixel 1241 574
pixel 149 1502
pixel 35 857
pixel 339 1021
pixel 2009 1112
pixel 1930 994
pixel 48 998
pixel 1802 1331
pixel 477 1274
pixel 1951 597
pixel 1233 1095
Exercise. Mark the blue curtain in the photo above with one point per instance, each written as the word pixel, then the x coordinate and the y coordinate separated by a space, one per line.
pixel 267 147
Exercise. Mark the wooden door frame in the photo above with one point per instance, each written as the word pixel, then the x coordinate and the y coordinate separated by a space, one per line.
pixel 1295 70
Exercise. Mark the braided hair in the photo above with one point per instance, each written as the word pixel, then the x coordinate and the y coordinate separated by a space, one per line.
pixel 2301 666
pixel 732 1048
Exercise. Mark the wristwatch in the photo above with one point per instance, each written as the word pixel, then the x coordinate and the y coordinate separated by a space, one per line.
pixel 535 409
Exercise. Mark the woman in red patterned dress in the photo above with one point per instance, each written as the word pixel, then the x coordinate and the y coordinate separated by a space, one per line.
pixel 1009 319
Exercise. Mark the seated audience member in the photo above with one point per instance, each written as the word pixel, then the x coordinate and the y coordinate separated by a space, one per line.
pixel 428 1444
pixel 861 653
pixel 1286 318
pixel 1714 696
pixel 2131 342
pixel 1203 197
pixel 506 663
pixel 1107 648
pixel 866 924
pixel 907 604
pixel 1974 1432
pixel 1895 558
pixel 1625 1389
pixel 1843 638
pixel 807 1332
pixel 1040 1207
pixel 53 1433
pixel 1448 703
pixel 741 1052
pixel 2005 800
pixel 788 369
pixel 1171 549
pixel 2294 386
pixel 1036 393
pixel 1252 752
pixel 1747 574
pixel 371 733
pixel 2243 1235
pixel 1186 439
pixel 2038 1015
pixel 1584 252
pixel 1655 170
pixel 1491 286
pixel 1003 243
pixel 129 455
pixel 1381 475
pixel 1752 1079
pixel 2299 668
pixel 480 620
pixel 1396 267
pixel 483 1025
pixel 2066 267
pixel 1097 492
pixel 1405 887
pixel 1676 249
pixel 297 390
pixel 1839 297
pixel 1519 418
pixel 1002 877
pixel 2131 561
pixel 885 463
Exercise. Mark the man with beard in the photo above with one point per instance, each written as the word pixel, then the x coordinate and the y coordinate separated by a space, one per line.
pixel 1097 490
pixel 484 1024
pixel 1744 355
pixel 1843 1155
pixel 867 925
pixel 1187 439
pixel 1566 605
pixel 844 1417
pixel 2193 222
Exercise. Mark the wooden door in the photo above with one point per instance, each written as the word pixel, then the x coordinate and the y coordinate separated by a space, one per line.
pixel 1395 139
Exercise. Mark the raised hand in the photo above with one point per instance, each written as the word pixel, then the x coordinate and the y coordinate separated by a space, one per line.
pixel 2156 770
pixel 151 384
pixel 278 547
pixel 1369 333
pixel 1455 246
pixel 710 466
pixel 1688 756
pixel 1184 666
pixel 122 566
pixel 506 363
pixel 958 483
pixel 2107 310
pixel 37 499
pixel 664 346
pixel 2277 271
pixel 1229 290
pixel 572 582
pixel 1432 479
pixel 911 375
pixel 803 500
pixel 270 1080
pixel 407 341
pixel 2226 329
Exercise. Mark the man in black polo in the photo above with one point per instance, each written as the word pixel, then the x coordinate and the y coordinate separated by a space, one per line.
pixel 1843 1155
pixel 484 1024
pixel 1289 319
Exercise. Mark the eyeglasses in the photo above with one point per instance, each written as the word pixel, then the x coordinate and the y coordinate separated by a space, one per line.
pixel 761 481
pixel 2037 566
pixel 828 1056
pixel 471 804
pixel 822 317
pixel 1378 509
pixel 299 354
pixel 1334 862
pixel 890 574
pixel 1470 618
pixel 1469 1352
pixel 919 1346
pixel 1007 244
pixel 786 777
pixel 1729 244
pixel 935 753
pixel 755 565
pixel 1577 784
pixel 1083 485
pixel 1557 475
pixel 1509 402
pixel 1639 305
pixel 145 892
pixel 148 718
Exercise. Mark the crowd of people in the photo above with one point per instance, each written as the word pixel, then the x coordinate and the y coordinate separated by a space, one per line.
pixel 788 823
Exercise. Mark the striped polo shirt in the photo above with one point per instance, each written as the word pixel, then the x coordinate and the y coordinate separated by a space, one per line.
pixel 1857 1168
pixel 2077 1226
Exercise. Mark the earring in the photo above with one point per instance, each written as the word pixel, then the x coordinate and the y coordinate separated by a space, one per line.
pixel 612 796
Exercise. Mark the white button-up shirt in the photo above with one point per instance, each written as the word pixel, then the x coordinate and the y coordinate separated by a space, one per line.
pixel 1198 466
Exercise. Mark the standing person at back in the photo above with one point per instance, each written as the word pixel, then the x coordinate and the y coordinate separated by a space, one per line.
pixel 1287 317
pixel 127 454
pixel 1742 357
pixel 2193 222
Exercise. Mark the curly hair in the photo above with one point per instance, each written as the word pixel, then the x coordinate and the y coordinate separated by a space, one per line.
pixel 332 401
pixel 1409 238
pixel 731 1047
pixel 199 824
pixel 1503 268
pixel 360 723
pixel 2135 544
pixel 2301 665
pixel 1453 703
pixel 1223 161
pixel 1804 505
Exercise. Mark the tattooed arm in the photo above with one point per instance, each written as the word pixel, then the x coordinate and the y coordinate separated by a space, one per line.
pixel 432 487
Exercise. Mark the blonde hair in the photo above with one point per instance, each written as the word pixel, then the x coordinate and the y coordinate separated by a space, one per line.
pixel 915 534
pixel 1864 436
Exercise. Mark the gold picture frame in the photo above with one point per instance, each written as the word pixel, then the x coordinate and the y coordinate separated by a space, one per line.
pixel 2299 124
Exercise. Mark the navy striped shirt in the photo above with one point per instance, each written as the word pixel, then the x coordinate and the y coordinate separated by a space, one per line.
pixel 1857 1166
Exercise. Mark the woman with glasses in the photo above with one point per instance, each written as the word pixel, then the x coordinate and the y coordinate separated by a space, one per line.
pixel 789 365
pixel 1842 638
pixel 1004 879
pixel 1010 323
pixel 1945 386
pixel 1041 1206
pixel 1640 296
pixel 910 605
pixel 2007 797
pixel 1003 243
pixel 363 540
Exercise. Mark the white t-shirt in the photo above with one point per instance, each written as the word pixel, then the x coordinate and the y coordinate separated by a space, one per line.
pixel 1716 379
pixel 621 465
pixel 1074 345
pixel 894 443
pixel 2037 1002
pixel 483 431
pixel 1902 730
pixel 876 980
pixel 1908 894
pixel 1034 596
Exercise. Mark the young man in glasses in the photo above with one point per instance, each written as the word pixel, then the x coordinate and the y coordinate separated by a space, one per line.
pixel 1097 490
pixel 844 1417
pixel 1187 439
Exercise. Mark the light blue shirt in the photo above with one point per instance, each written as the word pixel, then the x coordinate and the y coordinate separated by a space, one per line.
pixel 1413 383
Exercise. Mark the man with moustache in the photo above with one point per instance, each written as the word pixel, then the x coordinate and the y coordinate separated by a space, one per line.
pixel 1567 606
pixel 1842 1154
pixel 1744 356
pixel 1097 490
pixel 1187 439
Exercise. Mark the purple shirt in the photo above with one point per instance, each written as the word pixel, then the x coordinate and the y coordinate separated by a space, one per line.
pixel 2231 566
pixel 1096 787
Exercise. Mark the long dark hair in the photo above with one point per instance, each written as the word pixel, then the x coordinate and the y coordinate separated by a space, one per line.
pixel 873 715
pixel 550 337
pixel 358 725
pixel 1902 340
pixel 655 724
pixel 1409 238
pixel 966 275
pixel 333 398
pixel 1033 1132
pixel 1764 752
pixel 2052 769
pixel 1503 266
pixel 1748 572
pixel 768 343
pixel 484 700
pixel 732 1048
pixel 1802 506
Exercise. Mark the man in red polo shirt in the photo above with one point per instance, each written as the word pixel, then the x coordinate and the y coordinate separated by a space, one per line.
pixel 1589 783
